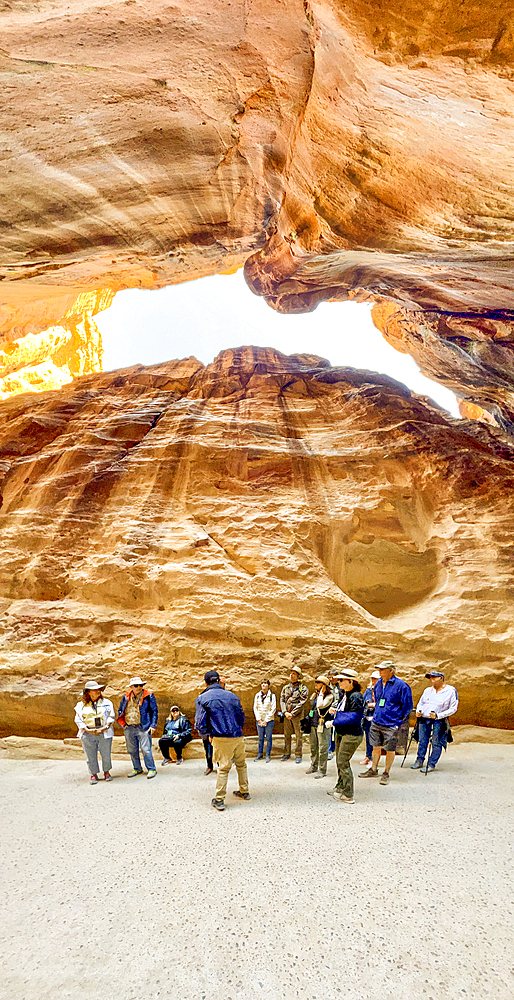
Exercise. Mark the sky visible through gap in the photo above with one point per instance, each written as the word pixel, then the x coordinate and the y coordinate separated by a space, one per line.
pixel 203 317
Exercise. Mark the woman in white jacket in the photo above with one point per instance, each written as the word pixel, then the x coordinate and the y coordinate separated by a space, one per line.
pixel 94 716
pixel 264 708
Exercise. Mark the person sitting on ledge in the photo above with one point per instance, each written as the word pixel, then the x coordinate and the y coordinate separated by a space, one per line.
pixel 433 710
pixel 177 733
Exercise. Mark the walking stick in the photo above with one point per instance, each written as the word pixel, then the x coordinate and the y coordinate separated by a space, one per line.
pixel 409 743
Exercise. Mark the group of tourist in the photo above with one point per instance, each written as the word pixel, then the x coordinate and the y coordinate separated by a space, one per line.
pixel 337 717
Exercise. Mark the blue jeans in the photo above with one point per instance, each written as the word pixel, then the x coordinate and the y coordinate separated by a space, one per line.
pixel 425 725
pixel 366 725
pixel 265 731
pixel 138 738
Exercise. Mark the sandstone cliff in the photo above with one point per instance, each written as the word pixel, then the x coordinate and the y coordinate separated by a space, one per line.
pixel 261 510
pixel 254 513
pixel 340 149
pixel 34 356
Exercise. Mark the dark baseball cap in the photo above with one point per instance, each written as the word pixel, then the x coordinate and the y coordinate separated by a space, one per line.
pixel 211 677
pixel 434 673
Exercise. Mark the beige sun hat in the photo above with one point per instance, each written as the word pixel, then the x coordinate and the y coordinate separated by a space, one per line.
pixel 323 679
pixel 347 674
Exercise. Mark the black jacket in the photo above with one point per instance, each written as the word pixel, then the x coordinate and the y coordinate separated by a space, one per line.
pixel 181 729
pixel 350 719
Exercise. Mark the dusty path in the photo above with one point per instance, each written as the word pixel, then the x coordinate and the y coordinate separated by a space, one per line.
pixel 139 890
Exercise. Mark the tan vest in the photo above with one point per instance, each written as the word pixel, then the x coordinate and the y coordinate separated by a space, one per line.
pixel 132 713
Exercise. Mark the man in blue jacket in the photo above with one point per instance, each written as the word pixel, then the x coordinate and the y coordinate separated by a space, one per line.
pixel 219 715
pixel 137 716
pixel 393 704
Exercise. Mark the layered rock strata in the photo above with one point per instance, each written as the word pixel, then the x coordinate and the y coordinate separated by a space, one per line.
pixel 345 149
pixel 258 512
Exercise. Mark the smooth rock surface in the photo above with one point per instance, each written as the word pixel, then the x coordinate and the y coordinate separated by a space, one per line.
pixel 139 889
pixel 250 514
pixel 362 148
pixel 340 150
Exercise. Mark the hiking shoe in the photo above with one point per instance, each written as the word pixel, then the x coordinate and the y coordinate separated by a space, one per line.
pixel 179 761
pixel 428 769
pixel 384 780
pixel 241 795
pixel 416 765
pixel 285 756
pixel 331 754
pixel 320 774
pixel 335 793
pixel 132 774
pixel 165 761
pixel 218 804
pixel 208 770
pixel 268 760
pixel 370 773
pixel 298 760
pixel 312 770
pixel 107 776
pixel 258 757
pixel 151 774
pixel 347 799
pixel 93 779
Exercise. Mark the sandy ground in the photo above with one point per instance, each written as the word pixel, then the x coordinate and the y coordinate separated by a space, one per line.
pixel 139 890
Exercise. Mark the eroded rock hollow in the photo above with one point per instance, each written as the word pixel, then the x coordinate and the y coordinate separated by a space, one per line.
pixel 254 513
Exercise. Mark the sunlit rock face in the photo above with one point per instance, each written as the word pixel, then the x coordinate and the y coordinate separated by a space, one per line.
pixel 34 357
pixel 258 512
pixel 350 148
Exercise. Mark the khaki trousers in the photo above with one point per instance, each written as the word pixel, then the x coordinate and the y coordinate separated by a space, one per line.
pixel 320 743
pixel 229 750
pixel 345 749
pixel 290 726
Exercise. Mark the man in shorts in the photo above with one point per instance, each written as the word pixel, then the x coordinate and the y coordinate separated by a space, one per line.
pixel 393 704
